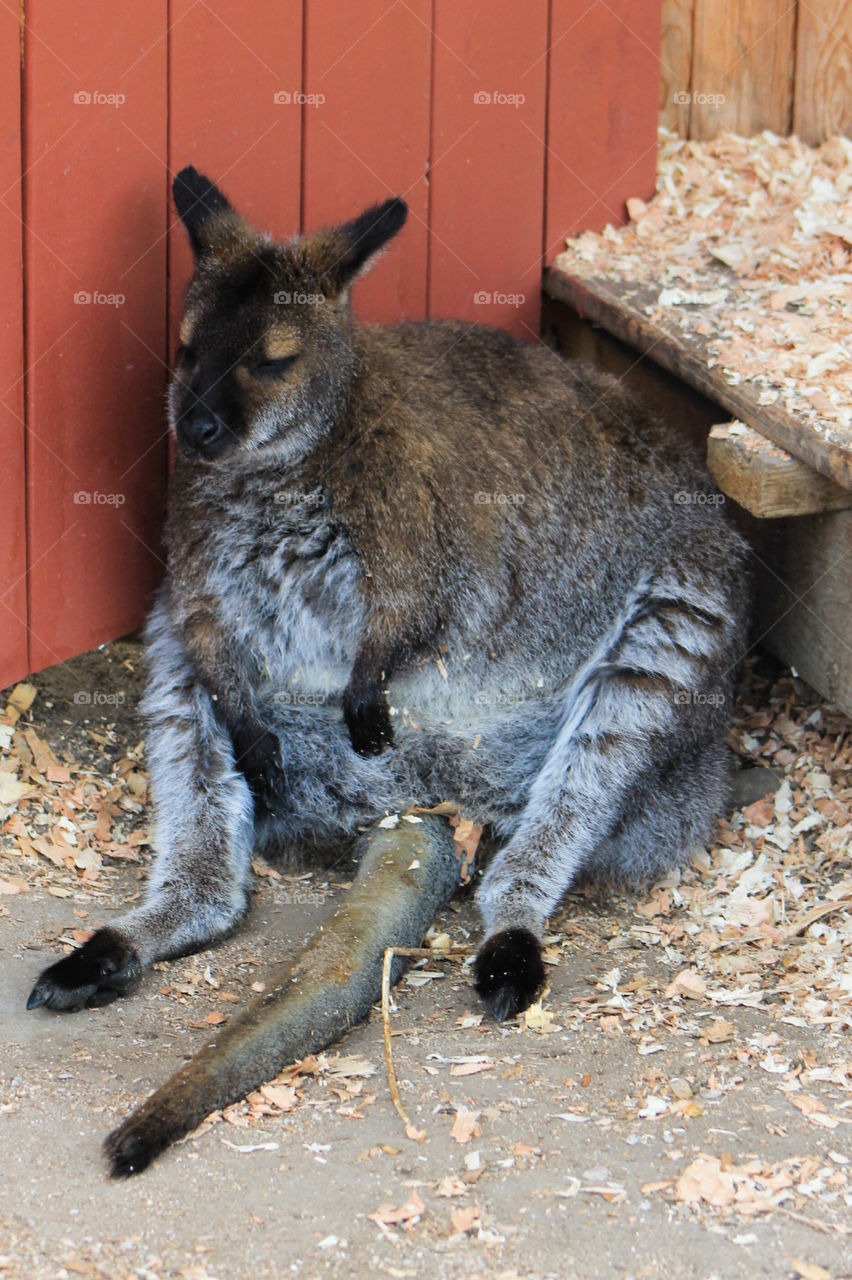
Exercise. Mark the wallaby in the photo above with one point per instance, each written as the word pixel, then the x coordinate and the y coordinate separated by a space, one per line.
pixel 410 564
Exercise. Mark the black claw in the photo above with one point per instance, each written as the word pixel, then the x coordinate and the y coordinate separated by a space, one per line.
pixel 502 1004
pixel 508 972
pixel 37 996
pixel 100 971
pixel 367 717
pixel 258 756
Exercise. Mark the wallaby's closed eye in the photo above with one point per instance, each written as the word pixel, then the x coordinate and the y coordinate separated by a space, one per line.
pixel 407 564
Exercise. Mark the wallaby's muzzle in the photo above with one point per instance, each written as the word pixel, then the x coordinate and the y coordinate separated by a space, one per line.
pixel 202 434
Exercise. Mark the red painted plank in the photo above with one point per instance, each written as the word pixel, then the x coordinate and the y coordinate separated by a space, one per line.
pixel 14 660
pixel 487 176
pixel 235 75
pixel 367 70
pixel 94 103
pixel 602 113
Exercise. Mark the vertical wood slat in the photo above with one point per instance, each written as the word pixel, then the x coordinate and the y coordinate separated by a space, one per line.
pixel 822 103
pixel 602 131
pixel 487 172
pixel 676 65
pixel 366 122
pixel 14 660
pixel 235 75
pixel 95 219
pixel 744 53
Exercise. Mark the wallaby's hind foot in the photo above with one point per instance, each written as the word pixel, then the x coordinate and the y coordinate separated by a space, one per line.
pixel 103 969
pixel 508 972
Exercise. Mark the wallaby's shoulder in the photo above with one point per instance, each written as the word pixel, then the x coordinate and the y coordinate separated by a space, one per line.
pixel 494 402
pixel 456 359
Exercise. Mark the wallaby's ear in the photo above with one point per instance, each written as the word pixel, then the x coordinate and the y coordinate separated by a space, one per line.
pixel 342 253
pixel 204 211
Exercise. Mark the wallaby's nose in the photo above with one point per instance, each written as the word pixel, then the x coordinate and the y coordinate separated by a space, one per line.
pixel 200 432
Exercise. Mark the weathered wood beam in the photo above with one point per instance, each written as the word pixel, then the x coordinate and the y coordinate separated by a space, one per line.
pixel 766 479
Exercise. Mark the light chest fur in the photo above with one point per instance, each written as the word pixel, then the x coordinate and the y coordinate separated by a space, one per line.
pixel 279 576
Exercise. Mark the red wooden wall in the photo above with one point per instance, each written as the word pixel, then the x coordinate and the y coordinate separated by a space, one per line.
pixel 505 126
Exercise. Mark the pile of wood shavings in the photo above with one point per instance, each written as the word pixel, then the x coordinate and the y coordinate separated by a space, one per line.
pixel 63 822
pixel 749 243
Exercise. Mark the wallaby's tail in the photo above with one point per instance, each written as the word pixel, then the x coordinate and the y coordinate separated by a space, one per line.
pixel 405 876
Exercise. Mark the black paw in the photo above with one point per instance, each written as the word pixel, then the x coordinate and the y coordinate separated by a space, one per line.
pixel 508 972
pixel 367 717
pixel 100 971
pixel 128 1151
pixel 258 757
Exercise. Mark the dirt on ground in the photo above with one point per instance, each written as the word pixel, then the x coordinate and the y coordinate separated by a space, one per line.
pixel 678 1104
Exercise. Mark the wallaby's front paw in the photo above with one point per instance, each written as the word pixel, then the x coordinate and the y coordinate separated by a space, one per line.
pixel 258 756
pixel 367 717
pixel 97 973
pixel 508 972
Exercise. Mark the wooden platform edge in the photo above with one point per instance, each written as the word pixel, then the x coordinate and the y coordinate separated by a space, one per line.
pixel 595 299
pixel 767 480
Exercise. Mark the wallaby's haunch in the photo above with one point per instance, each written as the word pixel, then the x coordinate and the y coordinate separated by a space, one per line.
pixel 406 564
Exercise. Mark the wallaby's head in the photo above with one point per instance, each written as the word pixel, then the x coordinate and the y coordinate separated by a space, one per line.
pixel 265 356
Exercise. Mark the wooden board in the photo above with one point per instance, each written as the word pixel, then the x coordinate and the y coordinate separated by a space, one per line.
pixel 676 65
pixel 822 102
pixel 235 75
pixel 94 199
pixel 767 480
pixel 602 114
pixel 742 67
pixel 620 309
pixel 14 661
pixel 487 165
pixel 366 135
pixel 804 598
